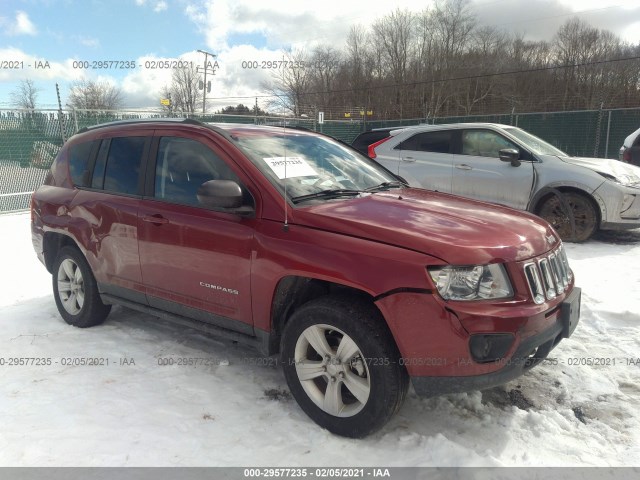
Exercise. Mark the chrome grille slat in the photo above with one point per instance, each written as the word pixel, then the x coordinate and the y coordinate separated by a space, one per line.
pixel 535 284
pixel 549 276
pixel 557 275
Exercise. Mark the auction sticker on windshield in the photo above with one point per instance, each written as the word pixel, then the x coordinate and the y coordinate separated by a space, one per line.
pixel 289 167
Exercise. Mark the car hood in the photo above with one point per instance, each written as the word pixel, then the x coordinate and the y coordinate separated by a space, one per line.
pixel 613 168
pixel 455 229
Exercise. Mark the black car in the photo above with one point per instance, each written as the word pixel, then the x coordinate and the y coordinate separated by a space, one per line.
pixel 362 141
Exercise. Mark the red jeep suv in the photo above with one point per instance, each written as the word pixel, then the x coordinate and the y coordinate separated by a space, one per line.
pixel 297 244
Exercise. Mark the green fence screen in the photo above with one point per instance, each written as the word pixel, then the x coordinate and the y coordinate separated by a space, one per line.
pixel 30 140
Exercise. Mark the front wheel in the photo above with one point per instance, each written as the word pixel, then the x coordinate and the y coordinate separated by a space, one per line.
pixel 558 209
pixel 342 366
pixel 75 290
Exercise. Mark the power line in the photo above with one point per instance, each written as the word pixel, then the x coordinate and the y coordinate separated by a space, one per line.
pixel 450 79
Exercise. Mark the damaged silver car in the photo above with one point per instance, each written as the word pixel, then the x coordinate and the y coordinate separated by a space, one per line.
pixel 507 165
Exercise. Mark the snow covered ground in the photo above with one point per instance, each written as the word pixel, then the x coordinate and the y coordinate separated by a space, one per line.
pixel 233 412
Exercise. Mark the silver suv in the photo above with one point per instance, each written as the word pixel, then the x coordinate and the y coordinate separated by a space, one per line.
pixel 506 165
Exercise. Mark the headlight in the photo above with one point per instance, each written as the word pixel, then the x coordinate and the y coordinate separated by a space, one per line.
pixel 478 282
pixel 626 180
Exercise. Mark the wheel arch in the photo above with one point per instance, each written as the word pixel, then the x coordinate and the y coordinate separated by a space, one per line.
pixel 293 291
pixel 53 242
pixel 544 193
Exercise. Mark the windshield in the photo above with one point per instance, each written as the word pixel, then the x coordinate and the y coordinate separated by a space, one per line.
pixel 311 164
pixel 535 144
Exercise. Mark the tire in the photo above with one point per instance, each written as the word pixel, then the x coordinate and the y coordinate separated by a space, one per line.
pixel 75 290
pixel 553 210
pixel 368 385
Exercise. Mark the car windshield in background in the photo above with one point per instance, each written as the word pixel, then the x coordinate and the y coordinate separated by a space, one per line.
pixel 312 165
pixel 535 144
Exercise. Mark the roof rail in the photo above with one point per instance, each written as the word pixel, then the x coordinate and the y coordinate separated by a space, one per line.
pixel 133 121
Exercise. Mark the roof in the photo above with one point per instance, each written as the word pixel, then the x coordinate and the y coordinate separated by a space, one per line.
pixel 430 126
pixel 238 127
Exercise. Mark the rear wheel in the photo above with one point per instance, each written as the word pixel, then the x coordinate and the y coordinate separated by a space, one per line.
pixel 75 290
pixel 342 365
pixel 558 210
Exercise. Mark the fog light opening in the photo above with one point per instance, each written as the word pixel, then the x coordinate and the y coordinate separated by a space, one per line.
pixel 486 348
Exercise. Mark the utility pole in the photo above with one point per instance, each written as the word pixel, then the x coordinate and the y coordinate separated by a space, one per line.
pixel 207 69
pixel 63 126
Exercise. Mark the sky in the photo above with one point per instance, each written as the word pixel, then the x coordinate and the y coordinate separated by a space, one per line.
pixel 49 41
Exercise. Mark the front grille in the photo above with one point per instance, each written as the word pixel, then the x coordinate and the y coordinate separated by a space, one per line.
pixel 548 276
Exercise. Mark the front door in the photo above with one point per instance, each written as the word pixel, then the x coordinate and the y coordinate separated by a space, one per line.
pixel 479 173
pixel 195 261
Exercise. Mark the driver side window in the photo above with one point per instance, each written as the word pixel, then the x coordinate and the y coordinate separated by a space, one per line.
pixel 484 143
pixel 182 166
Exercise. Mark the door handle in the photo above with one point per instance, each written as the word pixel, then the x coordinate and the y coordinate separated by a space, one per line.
pixel 408 159
pixel 464 166
pixel 156 219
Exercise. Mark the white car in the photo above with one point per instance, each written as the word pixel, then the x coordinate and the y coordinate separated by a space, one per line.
pixel 506 165
pixel 630 149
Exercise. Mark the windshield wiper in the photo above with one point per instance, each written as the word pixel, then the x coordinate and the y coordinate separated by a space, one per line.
pixel 385 186
pixel 332 193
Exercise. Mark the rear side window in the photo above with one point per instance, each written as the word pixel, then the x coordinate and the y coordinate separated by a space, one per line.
pixel 79 163
pixel 365 139
pixel 438 142
pixel 122 168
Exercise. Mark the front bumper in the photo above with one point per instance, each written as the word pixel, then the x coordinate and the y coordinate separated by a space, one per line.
pixel 619 206
pixel 531 351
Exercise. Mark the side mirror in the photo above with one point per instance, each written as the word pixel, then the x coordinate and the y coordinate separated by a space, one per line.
pixel 225 194
pixel 510 155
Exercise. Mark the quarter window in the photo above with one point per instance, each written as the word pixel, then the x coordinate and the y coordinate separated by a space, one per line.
pixel 438 142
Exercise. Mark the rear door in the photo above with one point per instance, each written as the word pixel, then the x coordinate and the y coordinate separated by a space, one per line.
pixel 425 159
pixel 195 261
pixel 110 204
pixel 479 173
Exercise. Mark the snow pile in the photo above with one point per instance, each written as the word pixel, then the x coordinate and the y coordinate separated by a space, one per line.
pixel 234 410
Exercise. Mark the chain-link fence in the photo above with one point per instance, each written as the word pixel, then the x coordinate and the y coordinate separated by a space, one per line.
pixel 30 140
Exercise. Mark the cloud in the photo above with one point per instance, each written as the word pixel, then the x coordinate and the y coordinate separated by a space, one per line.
pixel 54 72
pixel 160 6
pixel 88 41
pixel 142 87
pixel 21 25
pixel 541 19
pixel 289 23
pixel 157 5
pixel 284 22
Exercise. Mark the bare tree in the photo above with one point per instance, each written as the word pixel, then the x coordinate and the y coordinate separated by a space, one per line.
pixel 325 64
pixel 289 86
pixel 186 94
pixel 394 36
pixel 440 62
pixel 93 95
pixel 485 55
pixel 25 95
